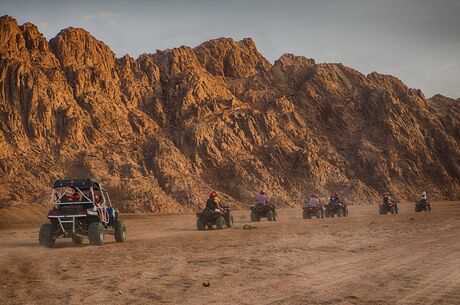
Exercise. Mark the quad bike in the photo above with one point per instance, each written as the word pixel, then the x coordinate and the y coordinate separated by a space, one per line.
pixel 339 209
pixel 220 218
pixel 87 213
pixel 263 210
pixel 390 207
pixel 422 205
pixel 309 212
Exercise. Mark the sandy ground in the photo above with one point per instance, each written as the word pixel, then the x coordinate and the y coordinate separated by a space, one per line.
pixel 411 258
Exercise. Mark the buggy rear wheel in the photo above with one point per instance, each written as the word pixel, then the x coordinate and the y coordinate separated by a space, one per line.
pixel 77 240
pixel 120 231
pixel 96 234
pixel 45 236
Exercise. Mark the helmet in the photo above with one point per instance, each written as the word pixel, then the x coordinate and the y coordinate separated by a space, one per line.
pixel 96 198
pixel 314 195
pixel 262 192
pixel 336 194
pixel 213 194
pixel 386 194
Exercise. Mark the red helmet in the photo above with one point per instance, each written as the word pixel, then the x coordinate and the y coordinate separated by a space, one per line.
pixel 314 195
pixel 213 194
pixel 386 194
pixel 262 192
pixel 336 194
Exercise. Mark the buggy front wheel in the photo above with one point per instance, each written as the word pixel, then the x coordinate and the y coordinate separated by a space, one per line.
pixel 120 231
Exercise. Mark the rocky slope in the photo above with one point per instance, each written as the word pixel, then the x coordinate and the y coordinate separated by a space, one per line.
pixel 164 129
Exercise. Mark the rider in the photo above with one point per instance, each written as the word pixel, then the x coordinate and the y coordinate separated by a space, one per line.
pixel 423 197
pixel 334 198
pixel 213 202
pixel 75 197
pixel 313 201
pixel 262 198
pixel 386 199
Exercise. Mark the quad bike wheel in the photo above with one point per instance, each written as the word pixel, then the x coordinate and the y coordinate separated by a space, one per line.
pixel 345 212
pixel 77 240
pixel 305 215
pixel 339 213
pixel 229 221
pixel 45 236
pixel 318 214
pixel 96 234
pixel 200 224
pixel 120 231
pixel 417 209
pixel 328 213
pixel 392 210
pixel 220 223
pixel 270 216
pixel 254 217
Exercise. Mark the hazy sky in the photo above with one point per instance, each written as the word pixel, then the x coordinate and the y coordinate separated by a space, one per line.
pixel 415 40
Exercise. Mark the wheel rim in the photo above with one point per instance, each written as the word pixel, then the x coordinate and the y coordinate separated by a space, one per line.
pixel 101 235
pixel 124 233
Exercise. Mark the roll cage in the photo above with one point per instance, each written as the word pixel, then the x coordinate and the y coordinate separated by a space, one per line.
pixel 88 199
pixel 86 189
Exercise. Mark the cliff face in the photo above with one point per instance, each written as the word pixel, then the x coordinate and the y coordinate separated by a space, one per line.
pixel 163 130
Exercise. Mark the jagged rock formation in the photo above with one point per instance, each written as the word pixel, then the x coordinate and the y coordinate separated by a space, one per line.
pixel 163 130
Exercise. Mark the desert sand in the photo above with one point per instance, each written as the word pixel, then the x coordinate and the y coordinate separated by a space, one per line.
pixel 410 258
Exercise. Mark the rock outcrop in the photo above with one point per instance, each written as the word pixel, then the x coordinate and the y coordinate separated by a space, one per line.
pixel 163 130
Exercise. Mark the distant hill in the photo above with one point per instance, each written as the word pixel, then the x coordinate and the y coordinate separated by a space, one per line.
pixel 163 130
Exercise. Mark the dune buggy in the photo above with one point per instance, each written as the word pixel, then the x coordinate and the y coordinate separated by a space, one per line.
pixel 422 205
pixel 80 209
pixel 339 209
pixel 220 218
pixel 263 210
pixel 390 207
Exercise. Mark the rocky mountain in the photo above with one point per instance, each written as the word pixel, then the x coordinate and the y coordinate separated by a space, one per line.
pixel 164 129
